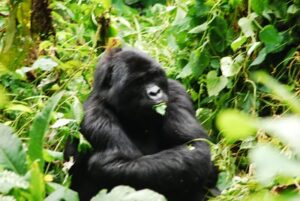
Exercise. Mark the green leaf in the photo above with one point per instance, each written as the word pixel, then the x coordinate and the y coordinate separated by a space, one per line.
pixel 106 4
pixel 259 5
pixel 126 193
pixel 160 108
pixel 246 26
pixel 226 66
pixel 180 16
pixel 77 110
pixel 260 58
pixel 39 128
pixel 271 38
pixel 51 156
pixel 237 43
pixel 198 29
pixel 279 90
pixel 19 107
pixel 286 128
pixel 84 145
pixel 37 185
pixel 214 83
pixel 198 61
pixel 236 125
pixel 10 180
pixel 61 193
pixel 12 155
pixel 270 162
pixel 253 47
pixel 7 198
pixel 231 67
pixel 45 64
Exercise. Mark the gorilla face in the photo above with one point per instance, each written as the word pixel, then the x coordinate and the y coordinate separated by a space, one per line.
pixel 136 84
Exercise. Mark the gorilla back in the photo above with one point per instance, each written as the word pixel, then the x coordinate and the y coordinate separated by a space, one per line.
pixel 132 143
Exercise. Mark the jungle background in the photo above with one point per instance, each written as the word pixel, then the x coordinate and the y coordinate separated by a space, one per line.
pixel 238 59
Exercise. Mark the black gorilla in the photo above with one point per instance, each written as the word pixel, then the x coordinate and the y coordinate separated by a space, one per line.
pixel 132 143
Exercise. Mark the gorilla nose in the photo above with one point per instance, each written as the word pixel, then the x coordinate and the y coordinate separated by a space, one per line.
pixel 154 92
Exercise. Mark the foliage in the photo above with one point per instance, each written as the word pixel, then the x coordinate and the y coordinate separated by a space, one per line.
pixel 214 47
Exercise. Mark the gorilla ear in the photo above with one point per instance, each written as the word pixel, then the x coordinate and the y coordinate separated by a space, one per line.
pixel 103 77
pixel 107 80
pixel 104 70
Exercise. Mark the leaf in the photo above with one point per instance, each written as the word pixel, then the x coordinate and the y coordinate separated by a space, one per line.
pixel 77 110
pixel 180 16
pixel 7 198
pixel 259 5
pixel 279 90
pixel 270 37
pixel 37 185
pixel 231 67
pixel 198 61
pixel 237 43
pixel 246 26
pixel 269 162
pixel 226 66
pixel 61 193
pixel 235 125
pixel 253 47
pixel 10 180
pixel 12 155
pixel 61 122
pixel 84 145
pixel 293 9
pixel 126 193
pixel 51 156
pixel 286 128
pixel 160 108
pixel 39 128
pixel 260 58
pixel 214 83
pixel 19 107
pixel 106 4
pixel 46 64
pixel 198 29
pixel 3 98
pixel 185 72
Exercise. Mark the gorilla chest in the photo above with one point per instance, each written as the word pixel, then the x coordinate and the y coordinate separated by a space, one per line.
pixel 148 142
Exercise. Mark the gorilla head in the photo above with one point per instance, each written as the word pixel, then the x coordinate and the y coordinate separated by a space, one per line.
pixel 131 83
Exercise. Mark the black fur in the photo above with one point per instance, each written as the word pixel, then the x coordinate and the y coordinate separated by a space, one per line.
pixel 133 144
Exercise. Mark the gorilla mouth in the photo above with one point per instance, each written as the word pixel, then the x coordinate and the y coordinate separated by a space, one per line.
pixel 160 108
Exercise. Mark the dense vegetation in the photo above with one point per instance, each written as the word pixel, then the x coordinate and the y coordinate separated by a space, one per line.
pixel 239 61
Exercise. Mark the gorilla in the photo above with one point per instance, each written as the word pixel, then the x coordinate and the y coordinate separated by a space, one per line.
pixel 132 143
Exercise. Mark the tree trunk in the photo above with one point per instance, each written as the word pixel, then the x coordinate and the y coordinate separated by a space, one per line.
pixel 41 21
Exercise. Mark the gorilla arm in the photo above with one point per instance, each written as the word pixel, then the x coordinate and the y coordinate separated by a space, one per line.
pixel 117 159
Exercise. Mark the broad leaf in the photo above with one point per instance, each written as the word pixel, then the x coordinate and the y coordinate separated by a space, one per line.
pixel 279 90
pixel 12 155
pixel 246 26
pixel 236 125
pixel 39 128
pixel 126 193
pixel 285 128
pixel 37 184
pixel 201 28
pixel 61 193
pixel 237 43
pixel 271 38
pixel 259 5
pixel 214 83
pixel 269 163
pixel 10 180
